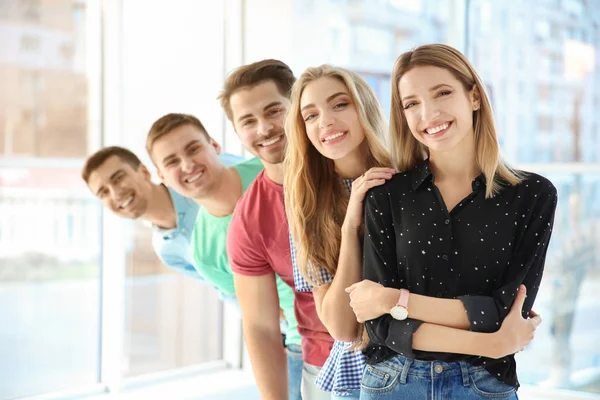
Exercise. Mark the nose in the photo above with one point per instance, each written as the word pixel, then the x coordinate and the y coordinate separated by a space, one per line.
pixel 187 164
pixel 430 111
pixel 327 119
pixel 115 192
pixel 265 127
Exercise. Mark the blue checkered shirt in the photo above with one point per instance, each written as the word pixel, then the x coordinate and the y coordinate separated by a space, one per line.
pixel 343 369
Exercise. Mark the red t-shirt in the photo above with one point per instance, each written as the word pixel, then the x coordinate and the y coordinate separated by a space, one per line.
pixel 258 243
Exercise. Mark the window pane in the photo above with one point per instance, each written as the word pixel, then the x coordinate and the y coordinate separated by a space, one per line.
pixel 566 349
pixel 49 281
pixel 544 76
pixel 49 225
pixel 170 320
pixel 44 96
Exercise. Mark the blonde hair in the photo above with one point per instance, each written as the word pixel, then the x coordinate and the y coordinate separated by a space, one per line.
pixel 407 151
pixel 315 198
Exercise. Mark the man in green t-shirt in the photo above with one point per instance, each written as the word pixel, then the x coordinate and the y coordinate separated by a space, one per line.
pixel 187 160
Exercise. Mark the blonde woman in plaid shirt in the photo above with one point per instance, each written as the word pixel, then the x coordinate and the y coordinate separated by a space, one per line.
pixel 336 152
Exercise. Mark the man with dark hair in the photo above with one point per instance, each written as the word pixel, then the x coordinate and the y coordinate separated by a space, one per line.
pixel 256 99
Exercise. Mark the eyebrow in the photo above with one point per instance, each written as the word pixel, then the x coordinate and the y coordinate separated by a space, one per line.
pixel 333 96
pixel 265 108
pixel 187 146
pixel 431 89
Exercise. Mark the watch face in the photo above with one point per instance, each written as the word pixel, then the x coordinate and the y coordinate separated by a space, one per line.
pixel 399 313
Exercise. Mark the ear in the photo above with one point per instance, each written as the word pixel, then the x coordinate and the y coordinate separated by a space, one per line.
pixel 160 176
pixel 216 145
pixel 475 98
pixel 144 172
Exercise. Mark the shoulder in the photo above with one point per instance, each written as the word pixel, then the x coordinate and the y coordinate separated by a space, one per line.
pixel 536 183
pixel 251 165
pixel 250 199
pixel 182 203
pixel 400 184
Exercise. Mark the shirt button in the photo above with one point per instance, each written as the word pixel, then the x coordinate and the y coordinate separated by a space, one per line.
pixel 477 183
pixel 445 257
pixel 447 221
pixel 438 369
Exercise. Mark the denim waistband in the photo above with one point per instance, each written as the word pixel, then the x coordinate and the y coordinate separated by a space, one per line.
pixel 406 366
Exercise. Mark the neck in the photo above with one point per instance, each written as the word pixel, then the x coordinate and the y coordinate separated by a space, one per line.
pixel 352 165
pixel 274 172
pixel 224 196
pixel 161 210
pixel 458 164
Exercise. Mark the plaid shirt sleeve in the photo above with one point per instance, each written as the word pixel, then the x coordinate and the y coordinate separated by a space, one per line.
pixel 301 284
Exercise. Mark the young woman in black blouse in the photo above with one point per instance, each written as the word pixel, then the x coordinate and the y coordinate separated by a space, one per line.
pixel 452 241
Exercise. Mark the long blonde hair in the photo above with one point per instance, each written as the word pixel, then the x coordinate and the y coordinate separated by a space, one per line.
pixel 315 197
pixel 407 151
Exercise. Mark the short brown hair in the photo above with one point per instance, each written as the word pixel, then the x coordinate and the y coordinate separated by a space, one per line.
pixel 98 158
pixel 167 123
pixel 250 75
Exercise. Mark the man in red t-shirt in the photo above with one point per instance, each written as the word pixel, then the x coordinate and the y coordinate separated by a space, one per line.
pixel 256 99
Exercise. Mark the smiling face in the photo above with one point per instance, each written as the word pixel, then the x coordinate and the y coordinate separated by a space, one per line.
pixel 438 110
pixel 122 188
pixel 258 115
pixel 188 161
pixel 331 119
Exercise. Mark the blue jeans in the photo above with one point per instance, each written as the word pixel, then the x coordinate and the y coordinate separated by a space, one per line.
pixel 294 356
pixel 401 378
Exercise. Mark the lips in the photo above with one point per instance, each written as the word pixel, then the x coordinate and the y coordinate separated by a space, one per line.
pixel 125 203
pixel 193 178
pixel 332 135
pixel 438 128
pixel 271 142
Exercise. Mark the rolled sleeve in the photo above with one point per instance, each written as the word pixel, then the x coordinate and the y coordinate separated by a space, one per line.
pixel 486 313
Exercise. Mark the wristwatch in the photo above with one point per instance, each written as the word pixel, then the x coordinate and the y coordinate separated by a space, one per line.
pixel 400 310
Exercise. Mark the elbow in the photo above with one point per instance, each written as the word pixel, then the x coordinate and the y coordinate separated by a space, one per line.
pixel 343 335
pixel 344 331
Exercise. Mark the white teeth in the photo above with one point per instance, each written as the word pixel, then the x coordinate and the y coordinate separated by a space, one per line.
pixel 439 128
pixel 194 178
pixel 126 202
pixel 270 142
pixel 337 135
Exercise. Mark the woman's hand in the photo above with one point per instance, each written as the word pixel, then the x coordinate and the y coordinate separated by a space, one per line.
pixel 360 186
pixel 516 332
pixel 368 300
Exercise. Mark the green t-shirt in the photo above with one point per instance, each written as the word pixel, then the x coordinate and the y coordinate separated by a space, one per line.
pixel 209 245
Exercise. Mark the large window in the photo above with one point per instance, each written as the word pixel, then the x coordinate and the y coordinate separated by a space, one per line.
pixel 49 227
pixel 539 61
pixel 84 298
pixel 171 321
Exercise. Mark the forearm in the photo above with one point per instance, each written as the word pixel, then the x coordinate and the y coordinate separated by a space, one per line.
pixel 445 312
pixel 335 311
pixel 436 338
pixel 269 362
